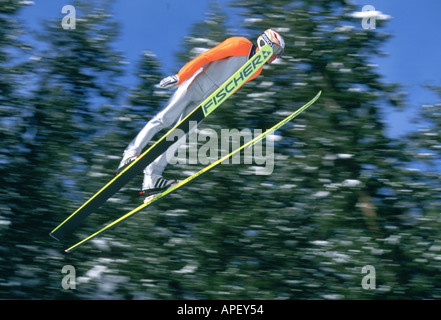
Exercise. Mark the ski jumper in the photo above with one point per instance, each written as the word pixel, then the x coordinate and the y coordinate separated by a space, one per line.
pixel 198 79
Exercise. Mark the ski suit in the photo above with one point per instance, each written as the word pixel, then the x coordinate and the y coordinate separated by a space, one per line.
pixel 198 79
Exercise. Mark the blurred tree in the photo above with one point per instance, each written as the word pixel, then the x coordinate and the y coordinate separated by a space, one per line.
pixel 306 230
pixel 13 132
pixel 420 194
pixel 205 34
pixel 11 73
pixel 72 73
pixel 164 233
pixel 342 194
pixel 327 198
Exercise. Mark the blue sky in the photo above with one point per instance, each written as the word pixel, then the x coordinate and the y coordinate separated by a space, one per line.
pixel 160 27
pixel 414 53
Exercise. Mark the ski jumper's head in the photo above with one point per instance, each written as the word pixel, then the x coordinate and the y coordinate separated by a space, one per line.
pixel 273 39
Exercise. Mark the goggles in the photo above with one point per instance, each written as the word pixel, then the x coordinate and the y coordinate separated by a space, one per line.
pixel 277 49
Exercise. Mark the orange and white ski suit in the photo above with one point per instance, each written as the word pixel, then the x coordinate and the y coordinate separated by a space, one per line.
pixel 198 79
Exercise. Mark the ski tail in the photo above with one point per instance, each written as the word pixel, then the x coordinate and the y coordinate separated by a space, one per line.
pixel 123 177
pixel 198 114
pixel 197 174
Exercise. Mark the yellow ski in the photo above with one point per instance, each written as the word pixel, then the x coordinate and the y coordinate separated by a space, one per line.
pixel 197 115
pixel 199 173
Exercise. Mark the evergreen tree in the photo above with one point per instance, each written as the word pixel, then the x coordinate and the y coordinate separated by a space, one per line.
pixel 342 195
pixel 12 74
pixel 302 227
pixel 419 193
pixel 327 198
pixel 13 133
pixel 73 72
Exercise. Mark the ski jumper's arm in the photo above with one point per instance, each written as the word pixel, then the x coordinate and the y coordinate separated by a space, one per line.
pixel 232 47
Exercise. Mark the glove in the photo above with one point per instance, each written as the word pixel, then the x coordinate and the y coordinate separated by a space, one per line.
pixel 169 82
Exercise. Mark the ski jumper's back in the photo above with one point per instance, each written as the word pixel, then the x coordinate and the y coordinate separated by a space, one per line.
pixel 219 63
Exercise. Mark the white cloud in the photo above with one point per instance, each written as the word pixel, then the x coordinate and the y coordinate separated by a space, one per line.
pixel 371 14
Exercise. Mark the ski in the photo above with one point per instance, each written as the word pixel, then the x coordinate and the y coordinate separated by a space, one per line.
pixel 199 173
pixel 197 115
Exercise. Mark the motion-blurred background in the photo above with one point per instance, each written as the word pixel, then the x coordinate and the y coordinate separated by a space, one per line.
pixel 356 179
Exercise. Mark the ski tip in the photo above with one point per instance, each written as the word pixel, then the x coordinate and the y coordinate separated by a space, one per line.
pixel 67 251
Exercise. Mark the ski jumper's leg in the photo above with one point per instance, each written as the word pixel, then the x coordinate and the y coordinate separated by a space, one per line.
pixel 158 166
pixel 200 89
pixel 164 119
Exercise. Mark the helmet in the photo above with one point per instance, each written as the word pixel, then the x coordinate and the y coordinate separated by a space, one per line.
pixel 273 39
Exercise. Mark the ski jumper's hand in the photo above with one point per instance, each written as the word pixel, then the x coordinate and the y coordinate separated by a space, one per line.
pixel 169 82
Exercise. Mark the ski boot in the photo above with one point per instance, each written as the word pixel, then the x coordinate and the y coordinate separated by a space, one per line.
pixel 126 160
pixel 154 185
